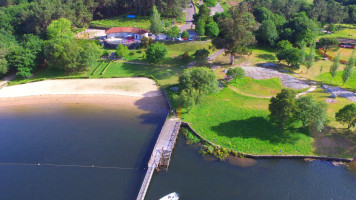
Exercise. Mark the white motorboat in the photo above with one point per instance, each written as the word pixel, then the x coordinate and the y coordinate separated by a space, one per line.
pixel 171 196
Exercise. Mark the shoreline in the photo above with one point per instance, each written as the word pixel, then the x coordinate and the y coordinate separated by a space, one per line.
pixel 245 155
pixel 141 93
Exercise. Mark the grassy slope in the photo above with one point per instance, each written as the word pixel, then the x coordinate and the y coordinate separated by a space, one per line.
pixel 266 87
pixel 346 31
pixel 241 123
pixel 350 84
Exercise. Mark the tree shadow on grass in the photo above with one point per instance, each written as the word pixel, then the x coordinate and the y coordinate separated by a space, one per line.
pixel 266 57
pixel 255 127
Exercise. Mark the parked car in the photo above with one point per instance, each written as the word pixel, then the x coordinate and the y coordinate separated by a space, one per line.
pixel 190 38
pixel 179 39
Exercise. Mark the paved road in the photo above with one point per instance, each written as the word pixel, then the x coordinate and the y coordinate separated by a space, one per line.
pixel 216 54
pixel 190 11
pixel 216 9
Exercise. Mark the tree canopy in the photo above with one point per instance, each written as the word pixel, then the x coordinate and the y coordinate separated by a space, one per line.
pixel 156 52
pixel 283 107
pixel 347 115
pixel 236 33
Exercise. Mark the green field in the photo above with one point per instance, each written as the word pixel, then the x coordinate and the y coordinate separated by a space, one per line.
pixel 345 31
pixel 265 87
pixel 337 81
pixel 138 22
pixel 241 123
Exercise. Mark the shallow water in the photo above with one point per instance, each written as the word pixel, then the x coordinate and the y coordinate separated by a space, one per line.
pixel 70 134
pixel 194 178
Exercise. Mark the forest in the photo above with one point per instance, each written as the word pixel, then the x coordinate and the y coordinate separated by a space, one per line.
pixel 24 38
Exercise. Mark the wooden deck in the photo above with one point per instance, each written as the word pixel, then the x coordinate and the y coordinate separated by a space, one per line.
pixel 161 153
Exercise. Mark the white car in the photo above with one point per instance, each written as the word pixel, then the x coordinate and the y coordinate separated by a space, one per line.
pixel 179 39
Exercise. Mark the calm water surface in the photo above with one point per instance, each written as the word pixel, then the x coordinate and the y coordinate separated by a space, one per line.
pixel 124 137
pixel 75 135
pixel 194 178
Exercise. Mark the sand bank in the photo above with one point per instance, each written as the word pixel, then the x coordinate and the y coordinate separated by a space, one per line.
pixel 128 92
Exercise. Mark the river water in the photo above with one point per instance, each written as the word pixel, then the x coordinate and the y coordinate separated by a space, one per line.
pixel 75 135
pixel 91 137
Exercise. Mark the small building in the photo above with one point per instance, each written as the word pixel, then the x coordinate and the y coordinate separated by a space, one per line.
pixel 130 33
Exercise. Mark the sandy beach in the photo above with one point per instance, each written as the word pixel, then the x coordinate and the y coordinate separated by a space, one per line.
pixel 127 92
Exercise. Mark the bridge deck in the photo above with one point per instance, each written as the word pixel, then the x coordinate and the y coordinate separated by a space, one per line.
pixel 166 141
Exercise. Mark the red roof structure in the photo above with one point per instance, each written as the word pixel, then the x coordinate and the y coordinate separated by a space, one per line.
pixel 126 30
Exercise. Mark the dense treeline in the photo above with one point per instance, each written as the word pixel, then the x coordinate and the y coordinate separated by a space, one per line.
pixel 34 16
pixel 325 11
pixel 31 31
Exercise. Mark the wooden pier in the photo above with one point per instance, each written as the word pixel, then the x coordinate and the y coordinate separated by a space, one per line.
pixel 161 154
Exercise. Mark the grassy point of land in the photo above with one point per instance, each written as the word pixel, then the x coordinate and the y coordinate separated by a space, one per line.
pixel 262 88
pixel 241 123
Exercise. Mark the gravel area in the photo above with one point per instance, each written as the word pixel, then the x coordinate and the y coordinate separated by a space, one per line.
pixel 341 92
pixel 287 80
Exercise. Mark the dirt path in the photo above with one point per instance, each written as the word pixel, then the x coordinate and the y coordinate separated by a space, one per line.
pixel 134 87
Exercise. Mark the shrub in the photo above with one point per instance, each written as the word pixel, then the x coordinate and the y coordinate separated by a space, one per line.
pixel 185 34
pixel 156 52
pixel 106 53
pixel 185 56
pixel 121 51
pixel 201 54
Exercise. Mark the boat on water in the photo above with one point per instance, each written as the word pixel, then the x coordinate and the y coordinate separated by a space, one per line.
pixel 171 196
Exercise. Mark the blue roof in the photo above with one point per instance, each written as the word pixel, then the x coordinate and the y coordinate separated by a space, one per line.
pixel 131 16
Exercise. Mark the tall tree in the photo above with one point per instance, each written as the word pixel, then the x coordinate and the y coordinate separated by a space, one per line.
pixel 173 32
pixel 200 27
pixel 60 28
pixel 202 80
pixel 311 112
pixel 283 107
pixel 311 57
pixel 236 73
pixel 122 51
pixel 268 32
pixel 212 29
pixel 347 73
pixel 326 43
pixel 236 33
pixel 156 24
pixel 156 52
pixel 303 53
pixel 347 115
pixel 334 67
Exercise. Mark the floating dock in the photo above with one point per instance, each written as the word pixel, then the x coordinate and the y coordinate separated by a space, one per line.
pixel 161 154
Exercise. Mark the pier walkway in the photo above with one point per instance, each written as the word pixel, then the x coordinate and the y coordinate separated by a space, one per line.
pixel 161 153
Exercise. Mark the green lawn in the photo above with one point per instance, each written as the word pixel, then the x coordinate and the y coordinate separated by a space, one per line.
pixel 350 84
pixel 138 22
pixel 266 87
pixel 345 31
pixel 241 123
pixel 165 75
